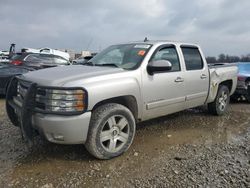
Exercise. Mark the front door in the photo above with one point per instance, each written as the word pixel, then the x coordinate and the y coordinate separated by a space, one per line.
pixel 163 92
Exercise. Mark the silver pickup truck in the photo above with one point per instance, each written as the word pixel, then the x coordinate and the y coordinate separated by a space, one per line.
pixel 99 103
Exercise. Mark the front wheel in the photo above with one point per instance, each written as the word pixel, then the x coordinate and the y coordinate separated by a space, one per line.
pixel 221 102
pixel 111 131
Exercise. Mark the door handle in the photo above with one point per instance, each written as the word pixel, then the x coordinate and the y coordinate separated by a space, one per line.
pixel 203 76
pixel 179 79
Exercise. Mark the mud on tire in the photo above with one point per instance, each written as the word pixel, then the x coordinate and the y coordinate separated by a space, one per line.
pixel 111 131
pixel 220 104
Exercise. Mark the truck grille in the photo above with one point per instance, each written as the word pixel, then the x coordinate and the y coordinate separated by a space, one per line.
pixel 31 97
pixel 22 89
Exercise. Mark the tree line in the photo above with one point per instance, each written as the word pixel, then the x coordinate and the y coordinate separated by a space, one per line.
pixel 223 58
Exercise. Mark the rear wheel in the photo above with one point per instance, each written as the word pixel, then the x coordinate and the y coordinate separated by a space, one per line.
pixel 111 131
pixel 220 104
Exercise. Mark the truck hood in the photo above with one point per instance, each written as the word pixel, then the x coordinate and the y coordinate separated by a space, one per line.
pixel 58 76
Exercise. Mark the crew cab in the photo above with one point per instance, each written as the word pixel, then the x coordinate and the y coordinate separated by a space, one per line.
pixel 99 103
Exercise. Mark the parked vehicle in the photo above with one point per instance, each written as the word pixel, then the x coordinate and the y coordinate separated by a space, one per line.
pixel 4 56
pixel 81 60
pixel 24 62
pixel 59 53
pixel 38 61
pixel 99 104
pixel 7 71
pixel 4 59
pixel 243 85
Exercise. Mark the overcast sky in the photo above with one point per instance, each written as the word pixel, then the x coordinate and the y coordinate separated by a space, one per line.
pixel 218 26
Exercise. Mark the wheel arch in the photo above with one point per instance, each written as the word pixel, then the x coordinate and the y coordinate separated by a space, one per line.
pixel 228 83
pixel 214 89
pixel 128 101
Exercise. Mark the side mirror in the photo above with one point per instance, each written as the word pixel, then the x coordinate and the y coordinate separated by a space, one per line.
pixel 158 66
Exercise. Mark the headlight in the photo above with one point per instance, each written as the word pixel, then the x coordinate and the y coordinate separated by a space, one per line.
pixel 62 101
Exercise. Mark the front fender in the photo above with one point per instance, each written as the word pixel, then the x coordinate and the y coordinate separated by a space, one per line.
pixel 108 89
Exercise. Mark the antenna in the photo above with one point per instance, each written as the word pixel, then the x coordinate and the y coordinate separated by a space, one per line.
pixel 146 39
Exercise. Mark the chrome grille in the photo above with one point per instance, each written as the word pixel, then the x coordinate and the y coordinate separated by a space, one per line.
pixel 22 88
pixel 41 94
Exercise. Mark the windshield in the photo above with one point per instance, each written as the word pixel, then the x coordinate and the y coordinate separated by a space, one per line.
pixel 244 67
pixel 126 56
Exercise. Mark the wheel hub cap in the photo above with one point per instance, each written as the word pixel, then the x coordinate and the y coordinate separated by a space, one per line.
pixel 223 101
pixel 115 133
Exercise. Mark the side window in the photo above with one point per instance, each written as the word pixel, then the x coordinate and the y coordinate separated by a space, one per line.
pixel 170 54
pixel 33 58
pixel 46 58
pixel 59 60
pixel 192 58
pixel 39 58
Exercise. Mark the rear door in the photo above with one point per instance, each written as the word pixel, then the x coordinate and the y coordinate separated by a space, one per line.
pixel 196 77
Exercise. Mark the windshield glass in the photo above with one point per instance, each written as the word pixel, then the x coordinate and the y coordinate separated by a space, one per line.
pixel 244 67
pixel 126 56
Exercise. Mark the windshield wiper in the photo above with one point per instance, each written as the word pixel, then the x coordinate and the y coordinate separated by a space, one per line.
pixel 108 65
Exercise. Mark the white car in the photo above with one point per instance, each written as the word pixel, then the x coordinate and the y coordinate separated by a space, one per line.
pixel 65 55
pixel 4 56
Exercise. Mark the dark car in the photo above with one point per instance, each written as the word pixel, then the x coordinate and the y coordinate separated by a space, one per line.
pixel 81 60
pixel 243 85
pixel 7 71
pixel 38 61
pixel 22 63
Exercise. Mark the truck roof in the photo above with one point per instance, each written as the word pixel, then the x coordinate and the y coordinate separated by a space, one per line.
pixel 156 42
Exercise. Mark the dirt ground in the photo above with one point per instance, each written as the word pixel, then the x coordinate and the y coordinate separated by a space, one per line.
pixel 186 149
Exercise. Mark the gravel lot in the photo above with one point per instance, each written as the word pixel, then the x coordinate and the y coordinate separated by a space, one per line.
pixel 187 149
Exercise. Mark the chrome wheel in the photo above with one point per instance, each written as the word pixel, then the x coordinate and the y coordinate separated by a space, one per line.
pixel 223 101
pixel 115 133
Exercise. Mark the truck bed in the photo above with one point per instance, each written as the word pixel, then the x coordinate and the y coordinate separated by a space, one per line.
pixel 218 65
pixel 221 72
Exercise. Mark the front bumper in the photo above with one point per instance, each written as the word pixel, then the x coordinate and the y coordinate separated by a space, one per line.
pixel 62 129
pixel 242 88
pixel 241 91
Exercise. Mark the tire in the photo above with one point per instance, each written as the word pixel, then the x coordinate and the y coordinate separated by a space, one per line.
pixel 111 132
pixel 248 93
pixel 248 98
pixel 220 105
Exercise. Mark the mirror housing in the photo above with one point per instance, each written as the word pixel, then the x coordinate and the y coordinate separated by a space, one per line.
pixel 158 66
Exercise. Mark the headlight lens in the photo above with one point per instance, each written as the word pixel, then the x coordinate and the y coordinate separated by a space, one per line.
pixel 63 101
